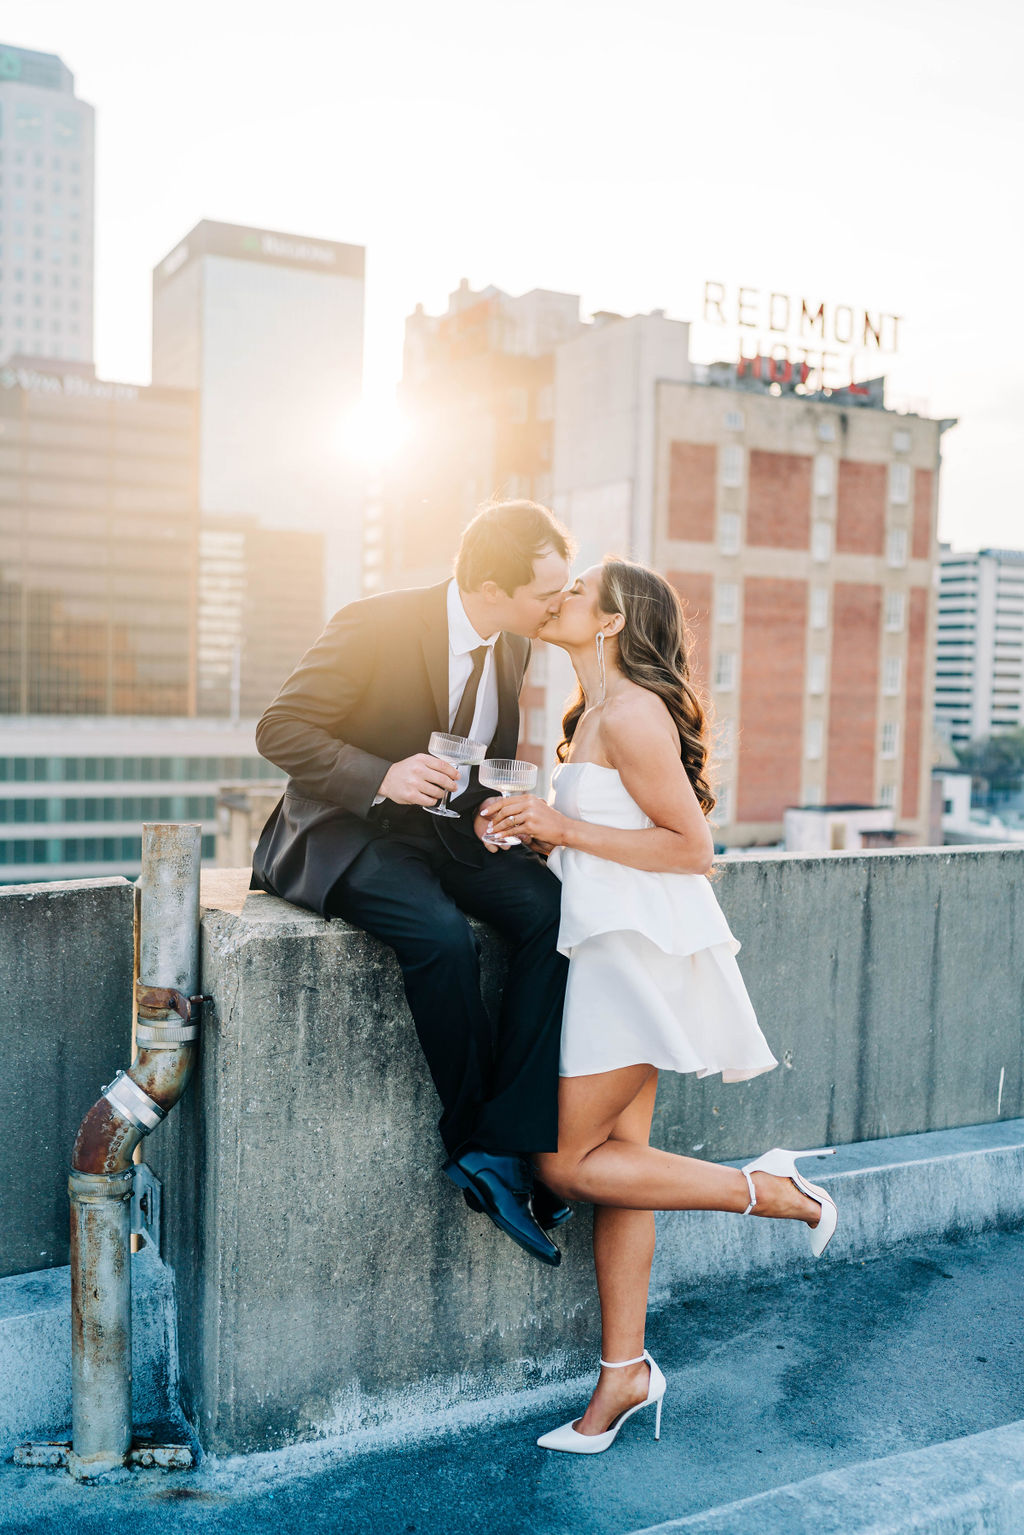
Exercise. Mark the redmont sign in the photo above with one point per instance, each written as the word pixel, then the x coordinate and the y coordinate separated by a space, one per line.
pixel 825 343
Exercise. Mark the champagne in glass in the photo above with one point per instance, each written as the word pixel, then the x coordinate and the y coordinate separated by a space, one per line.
pixel 460 752
pixel 508 776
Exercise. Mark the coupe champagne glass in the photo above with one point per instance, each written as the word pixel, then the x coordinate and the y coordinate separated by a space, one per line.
pixel 508 776
pixel 460 751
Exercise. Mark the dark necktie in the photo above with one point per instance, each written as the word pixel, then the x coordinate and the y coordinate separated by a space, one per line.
pixel 463 722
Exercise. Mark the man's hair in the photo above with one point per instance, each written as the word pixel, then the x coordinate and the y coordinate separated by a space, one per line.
pixel 502 542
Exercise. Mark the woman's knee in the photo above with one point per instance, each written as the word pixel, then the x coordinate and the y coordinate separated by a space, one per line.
pixel 560 1171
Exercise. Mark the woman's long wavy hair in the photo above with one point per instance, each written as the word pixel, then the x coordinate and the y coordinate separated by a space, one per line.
pixel 654 653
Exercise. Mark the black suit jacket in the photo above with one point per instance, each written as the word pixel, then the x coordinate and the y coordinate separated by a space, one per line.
pixel 367 694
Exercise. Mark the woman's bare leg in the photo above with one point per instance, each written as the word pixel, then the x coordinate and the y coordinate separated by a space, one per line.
pixel 604 1157
pixel 590 1165
pixel 623 1253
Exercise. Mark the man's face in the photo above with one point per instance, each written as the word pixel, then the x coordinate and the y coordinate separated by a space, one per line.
pixel 532 605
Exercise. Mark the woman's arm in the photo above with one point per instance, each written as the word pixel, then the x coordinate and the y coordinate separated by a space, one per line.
pixel 640 741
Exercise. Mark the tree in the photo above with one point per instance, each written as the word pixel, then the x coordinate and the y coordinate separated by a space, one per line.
pixel 998 759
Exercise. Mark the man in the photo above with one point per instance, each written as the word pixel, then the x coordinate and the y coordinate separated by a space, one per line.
pixel 350 838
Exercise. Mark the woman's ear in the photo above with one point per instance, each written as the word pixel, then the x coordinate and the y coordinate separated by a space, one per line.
pixel 615 625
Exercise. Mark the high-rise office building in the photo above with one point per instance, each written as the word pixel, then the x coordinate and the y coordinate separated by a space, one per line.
pixel 268 329
pixel 260 609
pixel 979 644
pixel 46 209
pixel 98 544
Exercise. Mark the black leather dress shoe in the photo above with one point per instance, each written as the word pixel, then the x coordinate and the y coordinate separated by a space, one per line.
pixel 550 1211
pixel 504 1187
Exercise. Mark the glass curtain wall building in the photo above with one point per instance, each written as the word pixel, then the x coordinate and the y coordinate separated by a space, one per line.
pixel 98 544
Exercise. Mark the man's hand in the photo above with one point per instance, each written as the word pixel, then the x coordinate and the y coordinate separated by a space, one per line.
pixel 419 780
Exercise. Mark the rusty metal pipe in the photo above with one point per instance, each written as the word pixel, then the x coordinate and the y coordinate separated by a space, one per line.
pixel 100 1182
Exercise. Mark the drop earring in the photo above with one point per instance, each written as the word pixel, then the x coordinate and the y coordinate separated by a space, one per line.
pixel 600 663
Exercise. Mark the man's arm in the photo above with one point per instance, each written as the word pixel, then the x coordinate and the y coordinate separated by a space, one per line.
pixel 302 730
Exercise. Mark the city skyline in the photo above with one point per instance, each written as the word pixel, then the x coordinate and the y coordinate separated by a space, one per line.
pixel 569 150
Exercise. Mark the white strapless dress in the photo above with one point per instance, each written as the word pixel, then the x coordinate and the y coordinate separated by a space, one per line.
pixel 652 971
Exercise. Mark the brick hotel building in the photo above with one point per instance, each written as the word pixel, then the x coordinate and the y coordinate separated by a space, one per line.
pixel 801 532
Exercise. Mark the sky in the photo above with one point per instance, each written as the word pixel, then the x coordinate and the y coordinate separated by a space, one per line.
pixel 625 150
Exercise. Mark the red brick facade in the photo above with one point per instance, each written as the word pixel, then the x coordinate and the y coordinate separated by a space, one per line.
pixel 916 629
pixel 695 589
pixel 924 491
pixel 853 701
pixel 771 696
pixel 691 494
pixel 779 500
pixel 860 509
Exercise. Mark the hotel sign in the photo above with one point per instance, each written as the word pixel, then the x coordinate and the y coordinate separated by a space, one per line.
pixel 823 345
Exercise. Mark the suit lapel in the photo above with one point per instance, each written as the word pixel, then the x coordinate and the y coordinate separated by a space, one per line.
pixel 435 648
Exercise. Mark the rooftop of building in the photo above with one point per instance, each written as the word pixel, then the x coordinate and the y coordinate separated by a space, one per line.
pixel 43 71
pixel 270 247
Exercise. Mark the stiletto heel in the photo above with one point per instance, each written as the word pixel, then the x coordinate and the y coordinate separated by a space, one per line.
pixel 780 1163
pixel 566 1437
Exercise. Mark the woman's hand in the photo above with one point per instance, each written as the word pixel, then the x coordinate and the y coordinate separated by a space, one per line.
pixel 524 815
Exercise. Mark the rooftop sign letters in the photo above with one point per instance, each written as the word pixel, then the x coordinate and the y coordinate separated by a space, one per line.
pixel 72 384
pixel 824 343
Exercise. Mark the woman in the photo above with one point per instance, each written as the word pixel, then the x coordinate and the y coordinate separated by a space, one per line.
pixel 653 982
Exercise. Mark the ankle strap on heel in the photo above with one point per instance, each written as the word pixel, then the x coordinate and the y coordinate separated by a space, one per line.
pixel 753 1196
pixel 620 1364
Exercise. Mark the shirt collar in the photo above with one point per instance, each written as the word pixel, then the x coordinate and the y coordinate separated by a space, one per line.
pixel 462 637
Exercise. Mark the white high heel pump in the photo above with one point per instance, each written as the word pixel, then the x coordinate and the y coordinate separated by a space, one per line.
pixel 782 1164
pixel 566 1437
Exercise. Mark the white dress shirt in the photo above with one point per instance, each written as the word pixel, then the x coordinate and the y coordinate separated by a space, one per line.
pixel 462 640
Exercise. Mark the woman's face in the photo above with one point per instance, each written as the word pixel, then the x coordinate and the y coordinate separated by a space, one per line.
pixel 579 617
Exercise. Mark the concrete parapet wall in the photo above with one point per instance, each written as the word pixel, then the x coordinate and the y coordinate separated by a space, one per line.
pixel 66 985
pixel 328 1278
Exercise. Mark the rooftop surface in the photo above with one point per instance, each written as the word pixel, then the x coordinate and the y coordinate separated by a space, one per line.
pixel 768 1385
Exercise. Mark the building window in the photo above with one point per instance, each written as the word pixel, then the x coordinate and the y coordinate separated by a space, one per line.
pixel 821 541
pixel 812 794
pixel 536 724
pixel 826 430
pixel 517 406
pixel 729 533
pixel 899 484
pixel 890 738
pixel 732 465
pixel 723 806
pixel 887 796
pixel 813 740
pixel 895 608
pixel 901 442
pixel 896 547
pixel 824 468
pixel 734 421
pixel 725 671
pixel 725 737
pixel 819 607
pixel 892 675
pixel 816 674
pixel 545 403
pixel 727 602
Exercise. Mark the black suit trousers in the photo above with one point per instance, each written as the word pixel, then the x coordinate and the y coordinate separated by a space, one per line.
pixel 497 1079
